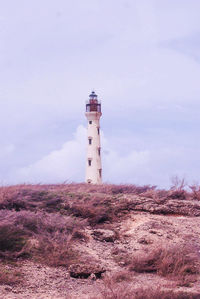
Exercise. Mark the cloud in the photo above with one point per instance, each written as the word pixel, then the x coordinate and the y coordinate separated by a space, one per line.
pixel 68 163
pixel 154 166
pixel 62 165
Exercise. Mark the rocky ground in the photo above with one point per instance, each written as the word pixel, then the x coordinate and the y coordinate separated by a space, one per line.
pixel 108 252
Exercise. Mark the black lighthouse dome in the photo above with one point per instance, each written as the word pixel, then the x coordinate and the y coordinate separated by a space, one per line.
pixel 93 95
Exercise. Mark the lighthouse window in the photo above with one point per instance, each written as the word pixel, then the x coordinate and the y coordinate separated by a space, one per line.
pixel 98 130
pixel 89 162
pixel 90 140
pixel 99 151
pixel 100 172
pixel 90 122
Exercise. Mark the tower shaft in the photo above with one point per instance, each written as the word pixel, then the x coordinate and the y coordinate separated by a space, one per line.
pixel 93 161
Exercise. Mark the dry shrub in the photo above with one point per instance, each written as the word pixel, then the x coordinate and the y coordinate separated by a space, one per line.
pixel 42 236
pixel 113 290
pixel 178 262
pixel 95 210
pixel 178 184
pixel 55 249
pixel 37 222
pixel 159 195
pixel 97 203
pixel 29 197
pixel 12 239
pixel 55 236
pixel 177 190
pixel 8 192
pixel 178 194
pixel 195 192
pixel 9 276
pixel 105 188
pixel 55 239
pixel 121 276
pixel 46 192
pixel 130 189
pixel 143 263
pixel 80 235
pixel 126 292
pixel 161 294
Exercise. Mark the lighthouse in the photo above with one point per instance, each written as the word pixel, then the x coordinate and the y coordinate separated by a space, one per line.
pixel 93 161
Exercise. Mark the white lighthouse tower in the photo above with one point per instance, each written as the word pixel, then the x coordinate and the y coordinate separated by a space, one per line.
pixel 93 163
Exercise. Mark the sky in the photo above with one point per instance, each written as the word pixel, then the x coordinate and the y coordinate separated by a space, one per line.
pixel 142 58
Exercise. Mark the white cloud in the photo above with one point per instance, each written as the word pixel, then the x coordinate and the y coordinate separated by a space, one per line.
pixel 155 166
pixel 65 164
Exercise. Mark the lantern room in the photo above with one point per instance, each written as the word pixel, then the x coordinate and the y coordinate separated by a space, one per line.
pixel 93 105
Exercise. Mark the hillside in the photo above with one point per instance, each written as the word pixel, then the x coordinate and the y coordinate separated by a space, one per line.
pixel 99 242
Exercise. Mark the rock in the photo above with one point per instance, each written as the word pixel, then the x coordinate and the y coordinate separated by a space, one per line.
pixel 8 289
pixel 155 232
pixel 67 275
pixel 85 270
pixel 104 235
pixel 165 206
pixel 116 242
pixel 32 243
pixel 92 277
pixel 144 241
